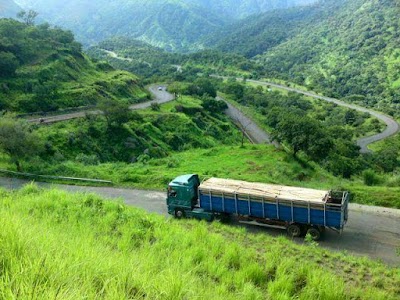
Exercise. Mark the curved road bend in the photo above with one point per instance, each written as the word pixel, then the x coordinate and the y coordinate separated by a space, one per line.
pixel 160 96
pixel 254 133
pixel 370 231
pixel 392 127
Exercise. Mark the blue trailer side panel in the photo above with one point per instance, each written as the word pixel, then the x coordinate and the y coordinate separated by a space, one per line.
pixel 289 211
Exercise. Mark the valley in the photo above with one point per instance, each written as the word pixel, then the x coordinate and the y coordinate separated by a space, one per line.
pixel 128 95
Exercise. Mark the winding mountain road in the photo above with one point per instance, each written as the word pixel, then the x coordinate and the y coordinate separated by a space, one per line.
pixel 392 127
pixel 160 96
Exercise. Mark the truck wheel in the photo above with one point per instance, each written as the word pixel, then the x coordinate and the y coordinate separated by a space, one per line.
pixel 179 214
pixel 314 233
pixel 294 230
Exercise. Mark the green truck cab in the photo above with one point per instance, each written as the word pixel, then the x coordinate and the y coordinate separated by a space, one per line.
pixel 182 198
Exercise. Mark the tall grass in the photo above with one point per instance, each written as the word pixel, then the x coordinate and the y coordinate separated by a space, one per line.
pixel 56 245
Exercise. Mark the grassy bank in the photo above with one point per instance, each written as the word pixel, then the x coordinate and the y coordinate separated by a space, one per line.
pixel 61 246
pixel 258 163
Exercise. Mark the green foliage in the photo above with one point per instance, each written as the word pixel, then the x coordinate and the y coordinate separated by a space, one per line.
pixel 43 69
pixel 115 112
pixel 320 130
pixel 8 64
pixel 353 53
pixel 18 141
pixel 120 134
pixel 201 87
pixel 28 16
pixel 112 251
pixel 157 65
pixel 370 177
pixel 303 133
pixel 170 24
pixel 212 105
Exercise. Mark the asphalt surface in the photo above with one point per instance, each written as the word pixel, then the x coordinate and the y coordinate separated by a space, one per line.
pixel 370 231
pixel 392 127
pixel 253 132
pixel 160 96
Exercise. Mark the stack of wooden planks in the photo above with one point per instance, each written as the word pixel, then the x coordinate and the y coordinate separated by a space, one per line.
pixel 263 190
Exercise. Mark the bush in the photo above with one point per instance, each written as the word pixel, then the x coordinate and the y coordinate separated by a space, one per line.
pixel 370 178
pixel 87 160
pixel 155 106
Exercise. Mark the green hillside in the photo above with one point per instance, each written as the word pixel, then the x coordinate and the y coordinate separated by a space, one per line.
pixel 353 54
pixel 74 246
pixel 156 64
pixel 171 24
pixel 44 69
pixel 257 34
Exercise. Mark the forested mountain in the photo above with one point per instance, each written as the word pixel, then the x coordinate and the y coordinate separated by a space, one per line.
pixel 8 9
pixel 339 47
pixel 256 34
pixel 154 63
pixel 170 24
pixel 44 69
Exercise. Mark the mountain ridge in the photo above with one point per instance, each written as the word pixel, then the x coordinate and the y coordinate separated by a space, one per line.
pixel 171 24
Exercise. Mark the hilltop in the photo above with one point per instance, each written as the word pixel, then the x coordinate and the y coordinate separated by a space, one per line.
pixel 45 69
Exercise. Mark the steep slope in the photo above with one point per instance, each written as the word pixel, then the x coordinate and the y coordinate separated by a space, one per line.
pixel 257 34
pixel 170 24
pixel 341 48
pixel 8 9
pixel 353 53
pixel 44 69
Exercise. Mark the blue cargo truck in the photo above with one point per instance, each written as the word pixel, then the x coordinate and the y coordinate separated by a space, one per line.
pixel 298 210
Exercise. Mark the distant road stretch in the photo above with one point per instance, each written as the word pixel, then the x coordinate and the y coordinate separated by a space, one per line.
pixel 392 127
pixel 160 96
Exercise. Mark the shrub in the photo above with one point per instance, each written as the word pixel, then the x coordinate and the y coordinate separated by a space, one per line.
pixel 370 177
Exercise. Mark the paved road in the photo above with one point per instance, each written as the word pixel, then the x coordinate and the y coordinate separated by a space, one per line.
pixel 253 132
pixel 160 96
pixel 392 127
pixel 371 231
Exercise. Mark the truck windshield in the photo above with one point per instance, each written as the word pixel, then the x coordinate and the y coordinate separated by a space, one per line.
pixel 171 193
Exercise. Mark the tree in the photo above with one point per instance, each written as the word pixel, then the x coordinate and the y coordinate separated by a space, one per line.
pixel 303 134
pixel 28 17
pixel 8 64
pixel 115 112
pixel 18 141
pixel 202 86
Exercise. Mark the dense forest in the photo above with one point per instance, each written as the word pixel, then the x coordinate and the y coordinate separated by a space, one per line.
pixel 344 49
pixel 44 69
pixel 156 64
pixel 172 25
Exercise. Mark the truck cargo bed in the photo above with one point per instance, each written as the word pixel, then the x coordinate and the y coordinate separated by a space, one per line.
pixel 275 202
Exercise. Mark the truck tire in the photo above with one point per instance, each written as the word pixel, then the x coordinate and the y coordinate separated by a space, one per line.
pixel 314 233
pixel 179 213
pixel 293 230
